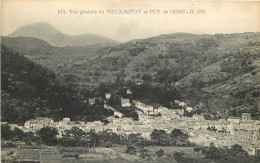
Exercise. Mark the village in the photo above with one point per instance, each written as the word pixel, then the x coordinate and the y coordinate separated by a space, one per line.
pixel 223 133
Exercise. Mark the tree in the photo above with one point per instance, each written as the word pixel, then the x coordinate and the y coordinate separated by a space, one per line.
pixel 147 77
pixel 178 137
pixel 159 153
pixel 130 150
pixel 92 138
pixel 178 156
pixel 18 134
pixel 213 153
pixel 188 114
pixel 75 132
pixel 29 138
pixel 6 133
pixel 107 138
pixel 48 135
pixel 237 150
pixel 133 138
pixel 164 140
pixel 157 133
pixel 144 153
pixel 133 114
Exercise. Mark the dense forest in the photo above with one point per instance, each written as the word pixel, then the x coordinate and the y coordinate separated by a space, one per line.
pixel 30 90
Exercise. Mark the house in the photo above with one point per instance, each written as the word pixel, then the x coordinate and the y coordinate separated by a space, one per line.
pixel 252 149
pixel 141 117
pixel 91 101
pixel 129 91
pixel 177 102
pixel 110 119
pixel 66 119
pixel 198 117
pixel 137 103
pixel 38 123
pixel 108 96
pixel 204 125
pixel 98 123
pixel 139 82
pixel 162 109
pixel 116 121
pixel 147 109
pixel 91 127
pixel 155 112
pixel 182 104
pixel 127 128
pixel 111 127
pixel 166 117
pixel 127 121
pixel 148 120
pixel 99 100
pixel 234 120
pixel 146 135
pixel 139 112
pixel 99 129
pixel 3 123
pixel 245 116
pixel 189 109
pixel 197 126
pixel 118 114
pixel 125 102
pixel 13 126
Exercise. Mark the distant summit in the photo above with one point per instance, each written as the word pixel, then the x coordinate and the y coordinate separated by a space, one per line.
pixel 47 32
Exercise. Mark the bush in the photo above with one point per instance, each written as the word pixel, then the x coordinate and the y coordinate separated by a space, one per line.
pixel 144 153
pixel 131 150
pixel 75 155
pixel 197 149
pixel 159 153
pixel 10 153
pixel 8 145
pixel 146 143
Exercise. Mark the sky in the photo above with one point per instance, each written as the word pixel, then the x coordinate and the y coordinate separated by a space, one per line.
pixel 209 17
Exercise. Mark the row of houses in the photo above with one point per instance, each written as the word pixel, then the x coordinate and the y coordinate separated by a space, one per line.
pixel 235 130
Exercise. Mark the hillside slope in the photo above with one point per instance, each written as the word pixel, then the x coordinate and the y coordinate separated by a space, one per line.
pixel 29 90
pixel 218 72
pixel 47 32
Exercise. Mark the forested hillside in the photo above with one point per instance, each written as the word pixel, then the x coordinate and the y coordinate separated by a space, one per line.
pixel 218 74
pixel 30 90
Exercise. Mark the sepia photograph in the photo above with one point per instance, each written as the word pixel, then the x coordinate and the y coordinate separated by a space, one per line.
pixel 121 81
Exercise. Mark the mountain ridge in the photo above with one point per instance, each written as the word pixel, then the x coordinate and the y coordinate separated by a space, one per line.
pixel 49 33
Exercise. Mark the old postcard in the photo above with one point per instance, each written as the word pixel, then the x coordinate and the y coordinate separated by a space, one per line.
pixel 130 81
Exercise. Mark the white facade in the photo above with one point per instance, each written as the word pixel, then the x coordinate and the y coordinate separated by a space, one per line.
pixel 125 103
pixel 108 95
pixel 120 115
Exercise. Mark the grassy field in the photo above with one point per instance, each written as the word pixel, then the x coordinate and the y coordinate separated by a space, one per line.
pixel 115 154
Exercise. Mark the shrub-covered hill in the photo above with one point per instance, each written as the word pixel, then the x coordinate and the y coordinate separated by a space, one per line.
pixel 219 72
pixel 29 90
